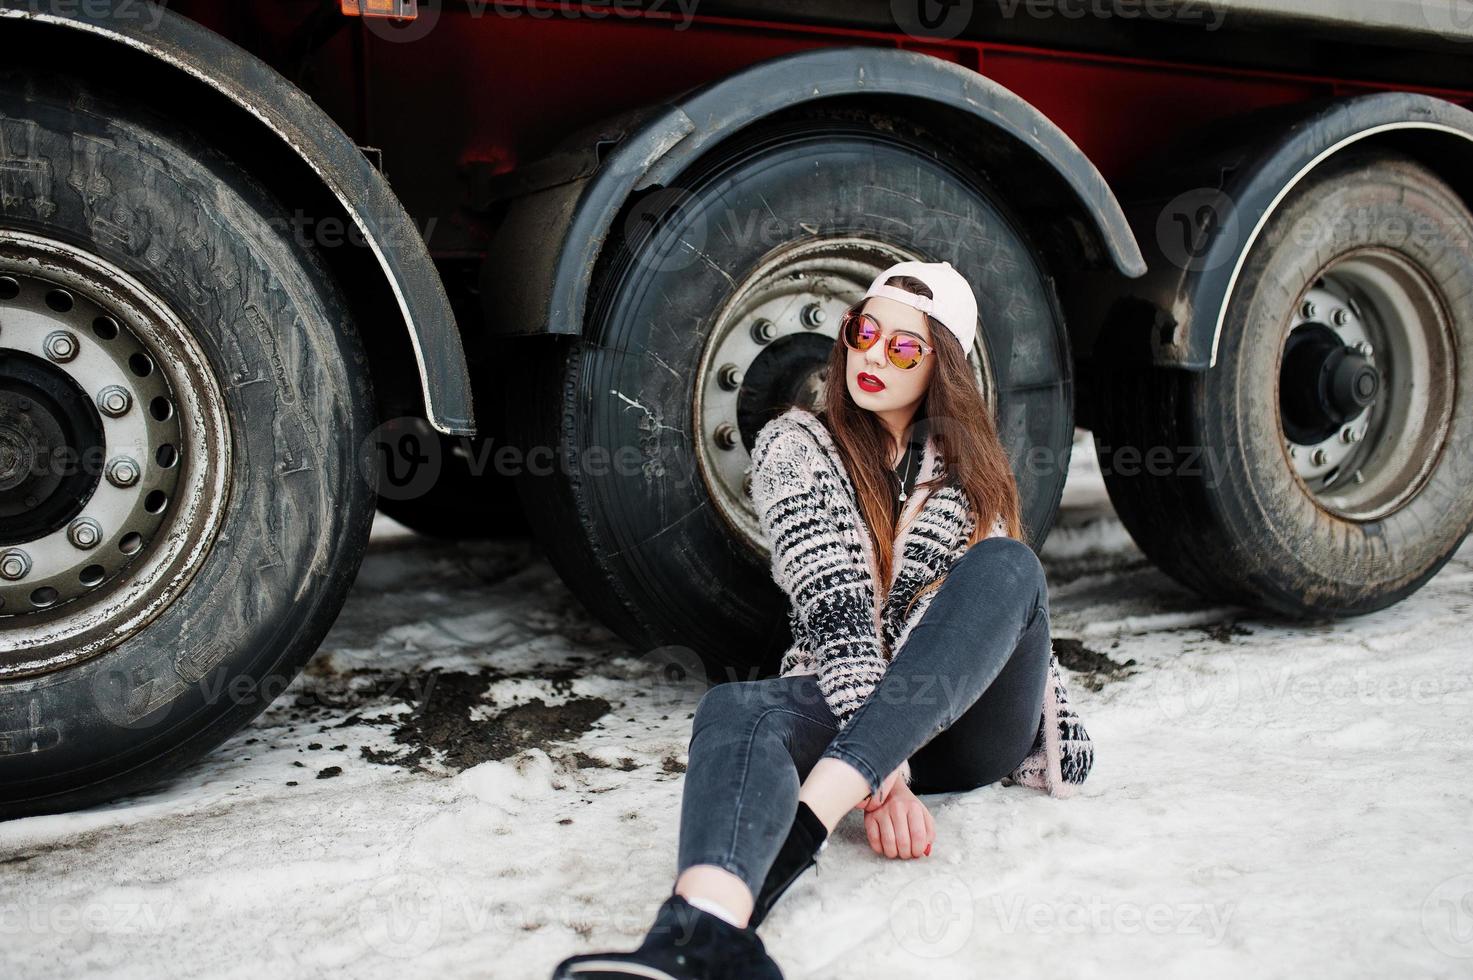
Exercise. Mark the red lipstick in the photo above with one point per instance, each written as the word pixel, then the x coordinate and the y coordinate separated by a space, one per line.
pixel 869 382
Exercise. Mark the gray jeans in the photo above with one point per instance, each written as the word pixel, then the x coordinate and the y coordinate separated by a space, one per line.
pixel 961 699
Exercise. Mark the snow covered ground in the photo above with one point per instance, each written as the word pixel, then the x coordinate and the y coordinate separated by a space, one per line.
pixel 470 782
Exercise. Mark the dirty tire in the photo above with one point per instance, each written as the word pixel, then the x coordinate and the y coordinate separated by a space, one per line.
pixel 106 174
pixel 1221 510
pixel 641 543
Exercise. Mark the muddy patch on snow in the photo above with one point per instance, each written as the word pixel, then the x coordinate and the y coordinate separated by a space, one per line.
pixel 1093 668
pixel 442 721
pixel 585 761
pixel 1224 632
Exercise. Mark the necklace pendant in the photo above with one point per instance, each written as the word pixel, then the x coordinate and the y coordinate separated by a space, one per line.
pixel 902 496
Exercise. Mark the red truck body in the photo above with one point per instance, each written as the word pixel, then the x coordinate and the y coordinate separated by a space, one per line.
pixel 456 92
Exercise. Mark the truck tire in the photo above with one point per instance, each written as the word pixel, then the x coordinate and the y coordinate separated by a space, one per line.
pixel 1321 467
pixel 183 397
pixel 714 307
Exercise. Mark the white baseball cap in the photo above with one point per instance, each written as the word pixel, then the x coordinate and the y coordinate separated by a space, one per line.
pixel 952 300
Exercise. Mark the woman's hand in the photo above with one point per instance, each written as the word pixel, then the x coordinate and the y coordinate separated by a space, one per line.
pixel 901 827
pixel 872 802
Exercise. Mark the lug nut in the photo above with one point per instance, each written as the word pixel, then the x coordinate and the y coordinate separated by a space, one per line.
pixel 61 345
pixel 84 533
pixel 1364 349
pixel 812 316
pixel 1308 310
pixel 763 331
pixel 114 401
pixel 729 377
pixel 1340 316
pixel 726 435
pixel 123 472
pixel 1348 434
pixel 15 565
pixel 1319 457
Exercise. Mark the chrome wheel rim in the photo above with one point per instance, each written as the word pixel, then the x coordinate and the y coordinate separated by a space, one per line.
pixel 768 346
pixel 97 369
pixel 1366 385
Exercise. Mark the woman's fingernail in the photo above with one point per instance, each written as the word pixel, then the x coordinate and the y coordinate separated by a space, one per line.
pixel 928 850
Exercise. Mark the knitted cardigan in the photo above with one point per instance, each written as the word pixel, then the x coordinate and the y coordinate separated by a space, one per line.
pixel 823 559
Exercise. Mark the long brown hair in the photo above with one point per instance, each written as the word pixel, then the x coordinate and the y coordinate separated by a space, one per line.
pixel 954 413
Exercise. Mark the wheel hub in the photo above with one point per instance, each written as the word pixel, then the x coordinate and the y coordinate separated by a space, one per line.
pixel 1325 382
pixel 1366 384
pixel 47 428
pixel 112 448
pixel 90 499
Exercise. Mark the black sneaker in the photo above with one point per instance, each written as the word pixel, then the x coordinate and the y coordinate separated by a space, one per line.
pixel 685 943
pixel 806 838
